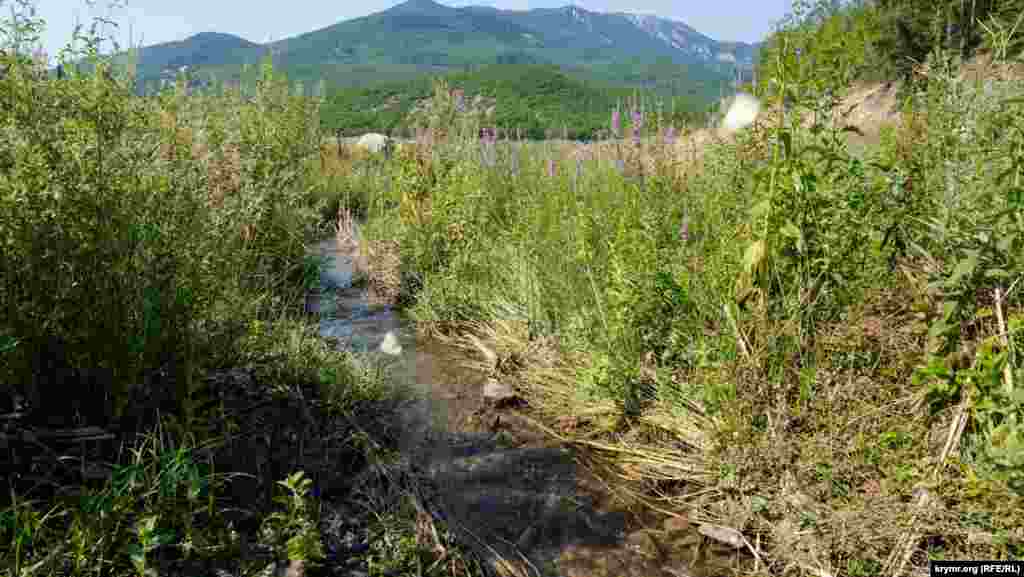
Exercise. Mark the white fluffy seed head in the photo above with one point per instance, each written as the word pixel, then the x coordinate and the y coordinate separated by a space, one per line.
pixel 390 346
pixel 742 113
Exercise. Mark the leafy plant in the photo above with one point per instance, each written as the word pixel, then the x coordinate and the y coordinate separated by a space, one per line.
pixel 293 533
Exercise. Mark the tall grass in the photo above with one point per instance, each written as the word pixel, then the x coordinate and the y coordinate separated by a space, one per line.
pixel 152 268
pixel 804 336
pixel 817 348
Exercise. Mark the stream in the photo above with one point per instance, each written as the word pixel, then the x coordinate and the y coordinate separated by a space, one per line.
pixel 507 485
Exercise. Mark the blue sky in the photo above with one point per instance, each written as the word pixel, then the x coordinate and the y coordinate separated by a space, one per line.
pixel 161 20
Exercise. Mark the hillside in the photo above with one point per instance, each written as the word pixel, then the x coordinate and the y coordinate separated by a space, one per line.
pixel 207 50
pixel 422 36
pixel 534 99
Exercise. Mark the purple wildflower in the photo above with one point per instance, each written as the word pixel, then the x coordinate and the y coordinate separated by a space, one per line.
pixel 620 165
pixel 551 167
pixel 684 230
pixel 638 122
pixel 616 122
pixel 670 135
pixel 460 100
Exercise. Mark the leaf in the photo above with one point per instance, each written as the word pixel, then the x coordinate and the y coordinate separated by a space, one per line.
pixel 760 209
pixel 762 174
pixel 725 535
pixel 964 268
pixel 938 328
pixel 789 230
pixel 949 308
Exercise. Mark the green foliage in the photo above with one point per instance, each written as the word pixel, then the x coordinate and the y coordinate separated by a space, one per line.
pixel 293 533
pixel 784 287
pixel 161 497
pixel 805 263
pixel 969 227
pixel 888 39
pixel 823 47
pixel 148 191
pixel 533 101
pixel 158 238
pixel 408 43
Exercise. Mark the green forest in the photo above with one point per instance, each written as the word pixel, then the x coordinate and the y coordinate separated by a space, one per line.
pixel 534 101
pixel 881 40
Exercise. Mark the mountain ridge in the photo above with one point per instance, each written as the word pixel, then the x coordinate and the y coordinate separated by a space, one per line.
pixel 418 36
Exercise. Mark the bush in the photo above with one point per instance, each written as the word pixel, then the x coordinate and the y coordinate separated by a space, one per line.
pixel 137 231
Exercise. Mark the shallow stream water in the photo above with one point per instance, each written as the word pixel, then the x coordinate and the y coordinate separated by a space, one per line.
pixel 504 484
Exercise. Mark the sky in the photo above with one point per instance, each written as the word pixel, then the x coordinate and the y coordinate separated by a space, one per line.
pixel 155 21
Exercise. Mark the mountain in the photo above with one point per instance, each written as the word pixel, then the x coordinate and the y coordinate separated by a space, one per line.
pixel 207 49
pixel 420 36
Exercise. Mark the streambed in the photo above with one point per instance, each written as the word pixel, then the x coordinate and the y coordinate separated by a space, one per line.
pixel 498 480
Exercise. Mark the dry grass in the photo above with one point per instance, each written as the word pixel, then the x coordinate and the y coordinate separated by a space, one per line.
pixel 671 459
pixel 383 269
pixel 224 173
pixel 344 229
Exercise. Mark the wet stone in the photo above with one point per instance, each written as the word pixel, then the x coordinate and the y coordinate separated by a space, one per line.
pixel 498 394
pixel 725 535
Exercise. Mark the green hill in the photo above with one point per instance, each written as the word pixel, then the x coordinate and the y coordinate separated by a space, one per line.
pixel 423 37
pixel 534 99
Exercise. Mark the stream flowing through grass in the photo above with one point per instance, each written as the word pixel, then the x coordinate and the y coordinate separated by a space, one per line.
pixel 505 488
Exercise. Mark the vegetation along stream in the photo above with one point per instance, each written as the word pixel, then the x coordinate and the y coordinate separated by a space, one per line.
pixel 560 328
pixel 500 482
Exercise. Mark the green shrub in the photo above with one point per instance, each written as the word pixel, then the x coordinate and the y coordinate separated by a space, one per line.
pixel 138 231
